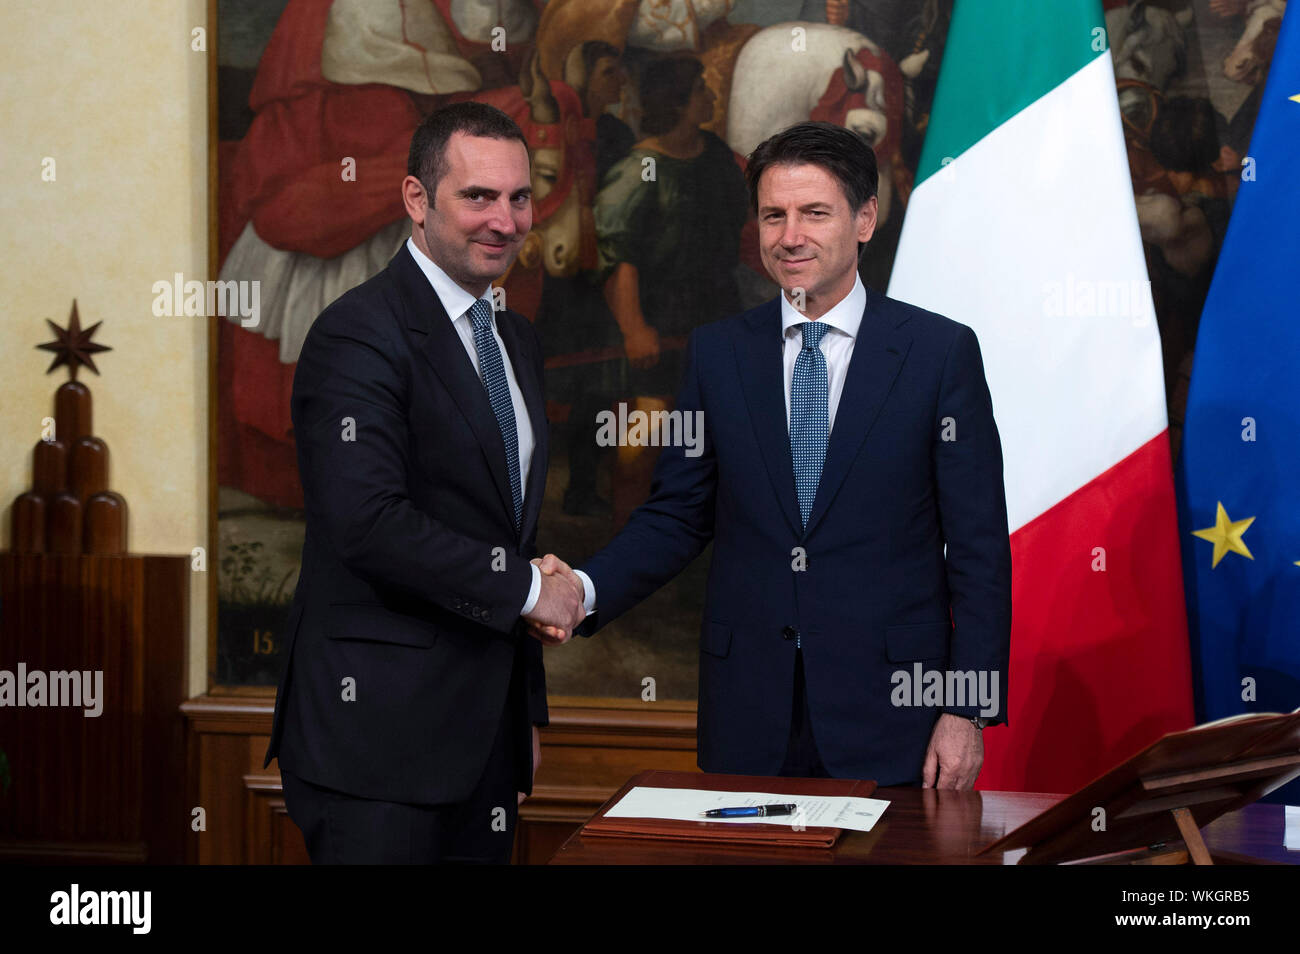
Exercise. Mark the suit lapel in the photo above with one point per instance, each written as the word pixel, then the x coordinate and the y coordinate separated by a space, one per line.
pixel 522 361
pixel 759 359
pixel 878 353
pixel 445 352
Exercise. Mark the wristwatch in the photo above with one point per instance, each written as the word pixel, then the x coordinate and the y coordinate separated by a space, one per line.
pixel 979 722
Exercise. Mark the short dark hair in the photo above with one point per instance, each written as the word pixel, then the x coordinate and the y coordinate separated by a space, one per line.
pixel 427 158
pixel 666 86
pixel 593 51
pixel 841 152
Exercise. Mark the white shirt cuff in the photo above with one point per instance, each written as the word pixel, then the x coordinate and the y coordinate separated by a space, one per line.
pixel 534 591
pixel 588 592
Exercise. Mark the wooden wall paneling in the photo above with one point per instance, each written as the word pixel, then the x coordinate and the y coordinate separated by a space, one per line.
pixel 271 837
pixel 588 751
pixel 99 788
pixel 226 738
pixel 166 604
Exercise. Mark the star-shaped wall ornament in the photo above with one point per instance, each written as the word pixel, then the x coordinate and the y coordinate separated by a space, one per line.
pixel 73 347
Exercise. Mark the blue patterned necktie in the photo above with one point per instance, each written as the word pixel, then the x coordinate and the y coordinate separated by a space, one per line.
pixel 493 372
pixel 810 429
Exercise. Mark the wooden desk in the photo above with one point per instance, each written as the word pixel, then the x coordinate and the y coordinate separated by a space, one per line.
pixel 926 827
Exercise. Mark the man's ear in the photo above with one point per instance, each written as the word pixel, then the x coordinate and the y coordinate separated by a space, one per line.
pixel 416 199
pixel 866 219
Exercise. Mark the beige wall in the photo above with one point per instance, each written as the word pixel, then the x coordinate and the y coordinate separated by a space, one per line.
pixel 115 95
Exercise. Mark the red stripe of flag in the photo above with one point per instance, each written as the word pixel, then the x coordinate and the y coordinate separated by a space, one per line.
pixel 1100 664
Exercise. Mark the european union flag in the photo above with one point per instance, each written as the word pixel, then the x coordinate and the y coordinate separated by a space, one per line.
pixel 1239 472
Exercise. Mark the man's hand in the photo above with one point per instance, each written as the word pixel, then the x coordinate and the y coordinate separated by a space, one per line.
pixel 642 346
pixel 956 752
pixel 549 634
pixel 537 760
pixel 559 608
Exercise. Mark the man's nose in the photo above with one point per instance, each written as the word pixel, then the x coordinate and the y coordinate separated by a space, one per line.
pixel 502 217
pixel 792 234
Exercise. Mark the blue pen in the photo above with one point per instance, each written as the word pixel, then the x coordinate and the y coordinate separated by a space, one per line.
pixel 752 811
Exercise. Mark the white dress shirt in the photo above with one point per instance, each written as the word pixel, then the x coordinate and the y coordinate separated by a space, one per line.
pixel 844 318
pixel 457 303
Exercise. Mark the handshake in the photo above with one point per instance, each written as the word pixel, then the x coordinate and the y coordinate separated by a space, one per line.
pixel 560 606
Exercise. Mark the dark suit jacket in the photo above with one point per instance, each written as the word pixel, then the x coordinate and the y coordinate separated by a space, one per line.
pixel 877 592
pixel 413 574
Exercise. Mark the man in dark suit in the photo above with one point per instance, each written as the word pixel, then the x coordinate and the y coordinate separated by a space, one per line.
pixel 850 480
pixel 402 723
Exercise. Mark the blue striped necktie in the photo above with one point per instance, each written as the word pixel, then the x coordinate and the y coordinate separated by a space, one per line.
pixel 810 429
pixel 493 372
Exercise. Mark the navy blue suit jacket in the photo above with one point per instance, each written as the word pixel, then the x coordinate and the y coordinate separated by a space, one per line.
pixel 413 573
pixel 877 592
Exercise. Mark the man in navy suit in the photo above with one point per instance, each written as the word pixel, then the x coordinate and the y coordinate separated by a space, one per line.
pixel 850 480
pixel 402 723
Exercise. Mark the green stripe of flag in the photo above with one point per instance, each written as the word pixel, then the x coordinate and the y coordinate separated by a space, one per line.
pixel 1000 56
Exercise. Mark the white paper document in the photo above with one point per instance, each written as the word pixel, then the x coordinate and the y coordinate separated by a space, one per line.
pixel 815 811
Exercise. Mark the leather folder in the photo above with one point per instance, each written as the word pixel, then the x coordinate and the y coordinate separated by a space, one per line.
pixel 760 833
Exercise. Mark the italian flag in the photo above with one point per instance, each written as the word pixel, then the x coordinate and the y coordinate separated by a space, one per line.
pixel 1022 225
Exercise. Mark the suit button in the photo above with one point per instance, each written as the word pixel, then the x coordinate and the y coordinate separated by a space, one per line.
pixel 789 633
pixel 456 604
pixel 486 616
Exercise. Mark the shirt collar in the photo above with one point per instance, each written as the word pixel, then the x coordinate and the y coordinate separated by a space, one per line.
pixel 844 316
pixel 455 300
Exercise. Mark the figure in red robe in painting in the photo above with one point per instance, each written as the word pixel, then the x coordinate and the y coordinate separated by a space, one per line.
pixel 310 204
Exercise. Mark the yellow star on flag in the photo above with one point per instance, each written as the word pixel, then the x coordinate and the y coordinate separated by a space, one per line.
pixel 1295 98
pixel 1225 535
